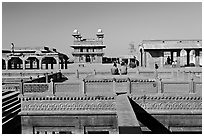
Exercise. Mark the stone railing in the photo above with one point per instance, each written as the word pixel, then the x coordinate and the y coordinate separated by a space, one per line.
pixel 70 89
pixel 35 88
pixel 98 87
pixel 11 87
pixel 113 86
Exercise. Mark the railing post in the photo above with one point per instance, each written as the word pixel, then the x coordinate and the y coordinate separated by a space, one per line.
pixel 160 88
pixel 129 85
pixel 191 86
pixel 52 86
pixel 94 72
pixel 46 77
pixel 21 87
pixel 60 74
pixel 77 73
pixel 114 85
pixel 84 86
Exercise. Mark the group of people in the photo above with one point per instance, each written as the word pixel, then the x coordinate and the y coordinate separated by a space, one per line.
pixel 169 62
pixel 122 70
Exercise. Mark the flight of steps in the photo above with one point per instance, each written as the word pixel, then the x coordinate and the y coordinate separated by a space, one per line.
pixel 11 122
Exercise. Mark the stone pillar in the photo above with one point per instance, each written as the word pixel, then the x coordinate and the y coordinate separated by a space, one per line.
pixel 21 87
pixel 6 63
pixel 46 78
pixel 94 72
pixel 58 64
pixel 40 63
pixel 197 59
pixel 178 58
pixel 23 60
pixel 51 89
pixel 31 64
pixel 114 85
pixel 191 86
pixel 77 73
pixel 83 87
pixel 160 88
pixel 23 64
pixel 144 59
pixel 129 85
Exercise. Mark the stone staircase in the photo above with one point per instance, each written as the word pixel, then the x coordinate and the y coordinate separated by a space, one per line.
pixel 10 109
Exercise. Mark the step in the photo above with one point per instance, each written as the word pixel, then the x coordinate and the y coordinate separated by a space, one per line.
pixel 12 103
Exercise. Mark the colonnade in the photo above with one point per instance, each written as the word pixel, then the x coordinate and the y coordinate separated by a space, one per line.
pixel 183 57
pixel 34 62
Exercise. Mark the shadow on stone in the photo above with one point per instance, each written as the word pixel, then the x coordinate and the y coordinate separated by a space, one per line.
pixel 147 120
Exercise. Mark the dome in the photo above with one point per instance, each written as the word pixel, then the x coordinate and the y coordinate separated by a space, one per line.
pixel 75 31
pixel 99 30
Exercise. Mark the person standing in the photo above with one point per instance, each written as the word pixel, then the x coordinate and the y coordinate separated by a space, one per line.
pixel 123 68
pixel 114 69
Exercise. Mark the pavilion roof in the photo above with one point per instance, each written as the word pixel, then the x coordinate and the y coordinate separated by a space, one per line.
pixel 172 44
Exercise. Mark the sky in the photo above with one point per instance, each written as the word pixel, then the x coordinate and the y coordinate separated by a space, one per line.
pixel 52 24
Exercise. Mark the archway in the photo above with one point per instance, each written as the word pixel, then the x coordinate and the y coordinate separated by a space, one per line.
pixel 32 63
pixel 15 63
pixel 183 58
pixel 88 59
pixel 48 62
pixel 3 64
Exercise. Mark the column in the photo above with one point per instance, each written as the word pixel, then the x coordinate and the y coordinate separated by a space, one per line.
pixel 144 59
pixel 188 57
pixel 23 60
pixel 178 58
pixel 197 58
pixel 58 64
pixel 6 63
pixel 40 63
pixel 162 59
pixel 23 64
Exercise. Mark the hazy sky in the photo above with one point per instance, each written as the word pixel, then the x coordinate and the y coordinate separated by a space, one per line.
pixel 52 24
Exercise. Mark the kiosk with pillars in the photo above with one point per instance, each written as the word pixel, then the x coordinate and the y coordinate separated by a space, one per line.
pixel 88 50
pixel 179 52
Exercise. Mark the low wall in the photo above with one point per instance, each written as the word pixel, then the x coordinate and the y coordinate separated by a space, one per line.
pixel 71 89
pixel 112 86
pixel 98 87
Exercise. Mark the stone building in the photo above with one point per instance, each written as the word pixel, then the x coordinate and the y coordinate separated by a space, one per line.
pixel 33 58
pixel 88 50
pixel 181 52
